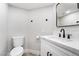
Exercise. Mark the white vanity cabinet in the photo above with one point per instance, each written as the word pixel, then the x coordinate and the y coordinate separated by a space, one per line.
pixel 50 49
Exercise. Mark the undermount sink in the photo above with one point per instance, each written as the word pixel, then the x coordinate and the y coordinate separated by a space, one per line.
pixel 59 38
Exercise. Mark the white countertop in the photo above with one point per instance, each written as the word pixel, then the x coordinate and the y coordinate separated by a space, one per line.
pixel 70 44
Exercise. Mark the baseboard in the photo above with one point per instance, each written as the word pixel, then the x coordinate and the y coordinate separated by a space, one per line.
pixel 36 52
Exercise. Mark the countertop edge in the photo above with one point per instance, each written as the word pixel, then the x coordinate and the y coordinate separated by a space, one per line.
pixel 71 49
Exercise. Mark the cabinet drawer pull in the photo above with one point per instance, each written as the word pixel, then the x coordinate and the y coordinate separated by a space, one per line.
pixel 50 54
pixel 47 53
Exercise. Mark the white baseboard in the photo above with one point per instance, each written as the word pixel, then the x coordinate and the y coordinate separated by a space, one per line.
pixel 36 52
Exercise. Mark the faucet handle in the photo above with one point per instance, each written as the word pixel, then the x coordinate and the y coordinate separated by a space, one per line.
pixel 59 34
pixel 68 36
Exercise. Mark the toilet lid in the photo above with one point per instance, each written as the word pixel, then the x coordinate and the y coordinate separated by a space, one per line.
pixel 16 51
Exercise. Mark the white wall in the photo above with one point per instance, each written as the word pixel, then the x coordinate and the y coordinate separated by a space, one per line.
pixel 3 29
pixel 39 26
pixel 18 24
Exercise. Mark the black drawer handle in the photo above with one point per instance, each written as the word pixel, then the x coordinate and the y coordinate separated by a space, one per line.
pixel 50 54
pixel 47 53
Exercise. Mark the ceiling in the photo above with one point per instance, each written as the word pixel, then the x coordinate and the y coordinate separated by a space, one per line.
pixel 30 6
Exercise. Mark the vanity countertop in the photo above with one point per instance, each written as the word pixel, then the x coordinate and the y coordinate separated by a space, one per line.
pixel 69 44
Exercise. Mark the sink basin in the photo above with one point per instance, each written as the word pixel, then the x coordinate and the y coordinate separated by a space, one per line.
pixel 59 38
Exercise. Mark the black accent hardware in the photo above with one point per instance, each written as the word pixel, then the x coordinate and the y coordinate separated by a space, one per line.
pixel 59 35
pixel 46 19
pixel 78 5
pixel 77 21
pixel 63 32
pixel 50 54
pixel 68 36
pixel 47 53
pixel 31 21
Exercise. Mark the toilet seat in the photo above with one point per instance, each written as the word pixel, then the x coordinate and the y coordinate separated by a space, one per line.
pixel 18 51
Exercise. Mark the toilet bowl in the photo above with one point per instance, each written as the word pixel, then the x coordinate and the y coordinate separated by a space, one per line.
pixel 18 51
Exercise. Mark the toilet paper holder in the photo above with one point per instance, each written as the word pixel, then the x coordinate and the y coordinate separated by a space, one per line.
pixel 37 37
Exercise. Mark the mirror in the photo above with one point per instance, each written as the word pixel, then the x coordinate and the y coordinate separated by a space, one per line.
pixel 67 14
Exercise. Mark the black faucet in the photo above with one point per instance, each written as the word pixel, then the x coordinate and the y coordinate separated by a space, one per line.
pixel 63 32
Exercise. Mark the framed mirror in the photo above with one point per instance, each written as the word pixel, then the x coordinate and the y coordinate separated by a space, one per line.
pixel 67 14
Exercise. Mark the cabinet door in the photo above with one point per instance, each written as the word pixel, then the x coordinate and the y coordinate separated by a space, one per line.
pixel 44 48
pixel 60 51
pixel 47 50
pixel 53 49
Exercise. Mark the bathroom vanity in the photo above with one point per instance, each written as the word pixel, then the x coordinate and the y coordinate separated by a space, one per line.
pixel 55 46
pixel 67 15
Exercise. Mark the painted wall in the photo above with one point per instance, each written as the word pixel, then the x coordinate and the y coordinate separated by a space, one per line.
pixel 3 29
pixel 40 26
pixel 17 24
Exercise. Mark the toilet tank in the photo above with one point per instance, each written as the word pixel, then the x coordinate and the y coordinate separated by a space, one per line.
pixel 18 41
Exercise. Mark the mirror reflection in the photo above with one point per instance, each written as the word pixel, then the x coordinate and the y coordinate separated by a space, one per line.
pixel 67 14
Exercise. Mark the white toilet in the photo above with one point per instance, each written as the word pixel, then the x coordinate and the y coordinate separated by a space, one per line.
pixel 18 50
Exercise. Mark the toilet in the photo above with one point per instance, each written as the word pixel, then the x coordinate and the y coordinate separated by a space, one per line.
pixel 18 42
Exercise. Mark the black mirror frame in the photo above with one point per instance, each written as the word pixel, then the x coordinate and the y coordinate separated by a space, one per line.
pixel 57 22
